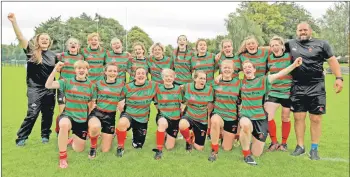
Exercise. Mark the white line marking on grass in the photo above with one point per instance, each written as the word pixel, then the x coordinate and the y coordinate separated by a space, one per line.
pixel 337 159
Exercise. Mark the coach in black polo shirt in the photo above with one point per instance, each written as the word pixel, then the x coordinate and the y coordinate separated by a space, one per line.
pixel 40 63
pixel 308 93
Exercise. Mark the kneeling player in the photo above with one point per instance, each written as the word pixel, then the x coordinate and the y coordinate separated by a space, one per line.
pixel 253 119
pixel 138 95
pixel 197 95
pixel 108 95
pixel 168 102
pixel 225 111
pixel 79 91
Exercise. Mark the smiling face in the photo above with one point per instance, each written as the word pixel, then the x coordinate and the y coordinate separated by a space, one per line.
pixel 81 69
pixel 227 68
pixel 304 31
pixel 202 46
pixel 182 41
pixel 111 72
pixel 73 46
pixel 44 41
pixel 140 75
pixel 227 48
pixel 94 42
pixel 251 45
pixel 248 69
pixel 201 79
pixel 276 47
pixel 138 50
pixel 116 45
pixel 157 51
pixel 168 76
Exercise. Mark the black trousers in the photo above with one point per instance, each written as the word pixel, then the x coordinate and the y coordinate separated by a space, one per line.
pixel 39 100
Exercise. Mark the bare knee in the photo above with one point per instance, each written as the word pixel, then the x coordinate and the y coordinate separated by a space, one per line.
pixel 123 124
pixel 64 125
pixel 315 119
pixel 215 122
pixel 95 128
pixel 285 118
pixel 183 124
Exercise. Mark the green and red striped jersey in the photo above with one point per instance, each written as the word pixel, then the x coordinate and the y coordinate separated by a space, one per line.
pixel 259 59
pixel 281 86
pixel 135 63
pixel 236 62
pixel 77 96
pixel 156 67
pixel 138 99
pixel 205 63
pixel 182 66
pixel 96 59
pixel 226 95
pixel 253 93
pixel 121 60
pixel 67 71
pixel 197 102
pixel 108 95
pixel 168 101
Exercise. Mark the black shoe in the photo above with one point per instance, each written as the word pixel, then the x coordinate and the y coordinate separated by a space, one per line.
pixel 314 154
pixel 213 156
pixel 273 147
pixel 92 153
pixel 208 138
pixel 249 160
pixel 158 154
pixel 189 147
pixel 283 147
pixel 298 151
pixel 120 152
pixel 136 145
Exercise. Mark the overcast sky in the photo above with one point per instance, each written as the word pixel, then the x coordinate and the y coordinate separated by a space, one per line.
pixel 163 21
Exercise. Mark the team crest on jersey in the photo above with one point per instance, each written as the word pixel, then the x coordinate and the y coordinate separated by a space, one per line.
pixel 219 88
pixel 75 88
pixel 193 98
pixel 66 61
pixel 165 97
pixel 114 60
pixel 198 63
pixel 106 89
pixel 90 56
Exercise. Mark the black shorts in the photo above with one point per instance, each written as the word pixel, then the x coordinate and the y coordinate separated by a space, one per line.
pixel 229 126
pixel 309 97
pixel 285 102
pixel 139 130
pixel 173 126
pixel 260 129
pixel 199 129
pixel 60 97
pixel 79 129
pixel 107 120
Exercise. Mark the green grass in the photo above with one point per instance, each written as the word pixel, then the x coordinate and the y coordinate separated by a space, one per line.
pixel 36 159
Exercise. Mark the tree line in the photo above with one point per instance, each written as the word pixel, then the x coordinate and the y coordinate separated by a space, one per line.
pixel 260 19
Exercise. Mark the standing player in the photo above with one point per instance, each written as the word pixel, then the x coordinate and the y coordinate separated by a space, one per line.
pixel 197 95
pixel 40 63
pixel 138 96
pixel 103 116
pixel 139 60
pixel 249 51
pixel 67 71
pixel 182 61
pixel 308 93
pixel 224 115
pixel 79 92
pixel 253 118
pixel 120 58
pixel 158 62
pixel 168 101
pixel 279 93
pixel 95 55
pixel 227 54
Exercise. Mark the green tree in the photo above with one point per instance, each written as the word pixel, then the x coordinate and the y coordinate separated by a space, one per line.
pixel 239 27
pixel 335 27
pixel 136 34
pixel 169 50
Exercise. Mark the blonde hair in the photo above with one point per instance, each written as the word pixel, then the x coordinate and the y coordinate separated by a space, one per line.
pixel 155 45
pixel 224 41
pixel 167 70
pixel 197 72
pixel 248 61
pixel 243 47
pixel 36 50
pixel 82 63
pixel 72 40
pixel 90 36
pixel 142 46
pixel 280 40
pixel 140 67
pixel 200 40
pixel 115 40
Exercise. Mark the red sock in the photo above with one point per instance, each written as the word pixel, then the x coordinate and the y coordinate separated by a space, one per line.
pixel 94 141
pixel 57 129
pixel 160 140
pixel 215 147
pixel 246 153
pixel 63 155
pixel 186 134
pixel 272 131
pixel 121 136
pixel 208 131
pixel 285 131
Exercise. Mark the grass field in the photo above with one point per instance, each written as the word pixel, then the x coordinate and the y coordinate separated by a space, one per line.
pixel 36 159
